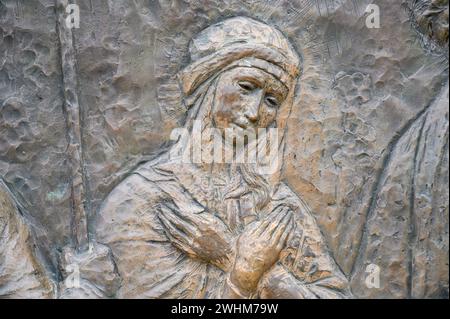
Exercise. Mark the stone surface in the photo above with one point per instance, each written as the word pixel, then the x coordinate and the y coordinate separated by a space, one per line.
pixel 366 139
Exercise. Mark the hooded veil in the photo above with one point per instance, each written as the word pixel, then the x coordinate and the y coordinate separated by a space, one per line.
pixel 237 42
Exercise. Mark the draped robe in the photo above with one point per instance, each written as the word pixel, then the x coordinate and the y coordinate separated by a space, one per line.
pixel 150 266
pixel 21 272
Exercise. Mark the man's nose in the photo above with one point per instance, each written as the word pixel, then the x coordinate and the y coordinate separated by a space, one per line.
pixel 252 109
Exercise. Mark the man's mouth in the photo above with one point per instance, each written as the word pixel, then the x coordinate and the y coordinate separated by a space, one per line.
pixel 240 125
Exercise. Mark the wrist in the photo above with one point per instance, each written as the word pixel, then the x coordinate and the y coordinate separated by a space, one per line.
pixel 234 291
pixel 243 280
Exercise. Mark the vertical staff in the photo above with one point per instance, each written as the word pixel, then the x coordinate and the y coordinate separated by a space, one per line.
pixel 73 114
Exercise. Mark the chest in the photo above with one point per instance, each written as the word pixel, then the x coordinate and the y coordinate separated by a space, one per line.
pixel 226 197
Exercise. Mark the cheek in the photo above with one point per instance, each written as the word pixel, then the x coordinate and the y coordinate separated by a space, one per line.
pixel 228 103
pixel 230 99
pixel 267 116
pixel 229 96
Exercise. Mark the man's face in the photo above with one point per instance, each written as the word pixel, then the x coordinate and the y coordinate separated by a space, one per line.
pixel 247 98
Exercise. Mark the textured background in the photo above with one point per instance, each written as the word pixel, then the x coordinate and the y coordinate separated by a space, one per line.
pixel 359 88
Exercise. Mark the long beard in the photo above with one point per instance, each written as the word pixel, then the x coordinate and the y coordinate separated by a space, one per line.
pixel 245 180
pixel 257 184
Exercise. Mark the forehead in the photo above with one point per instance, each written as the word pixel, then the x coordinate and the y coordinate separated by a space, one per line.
pixel 257 75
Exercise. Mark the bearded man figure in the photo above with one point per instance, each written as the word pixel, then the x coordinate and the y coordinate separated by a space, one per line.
pixel 222 230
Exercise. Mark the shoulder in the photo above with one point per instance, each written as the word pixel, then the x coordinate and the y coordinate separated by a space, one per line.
pixel 139 187
pixel 128 212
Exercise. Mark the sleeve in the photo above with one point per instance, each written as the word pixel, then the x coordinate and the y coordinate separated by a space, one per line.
pixel 148 264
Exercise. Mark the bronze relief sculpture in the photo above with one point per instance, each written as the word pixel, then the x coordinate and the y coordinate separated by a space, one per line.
pixel 310 158
pixel 181 230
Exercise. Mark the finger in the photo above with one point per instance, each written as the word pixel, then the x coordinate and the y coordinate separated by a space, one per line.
pixel 281 226
pixel 182 246
pixel 290 235
pixel 275 220
pixel 191 217
pixel 172 231
pixel 285 235
pixel 170 205
pixel 268 219
pixel 177 237
pixel 171 208
pixel 189 229
pixel 277 210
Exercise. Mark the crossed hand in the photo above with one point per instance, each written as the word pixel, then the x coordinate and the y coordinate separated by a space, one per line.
pixel 205 237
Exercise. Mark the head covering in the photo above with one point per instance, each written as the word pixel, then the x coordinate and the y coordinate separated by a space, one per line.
pixel 239 41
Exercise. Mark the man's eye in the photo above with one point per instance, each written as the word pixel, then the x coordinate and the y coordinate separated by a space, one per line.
pixel 246 85
pixel 272 101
